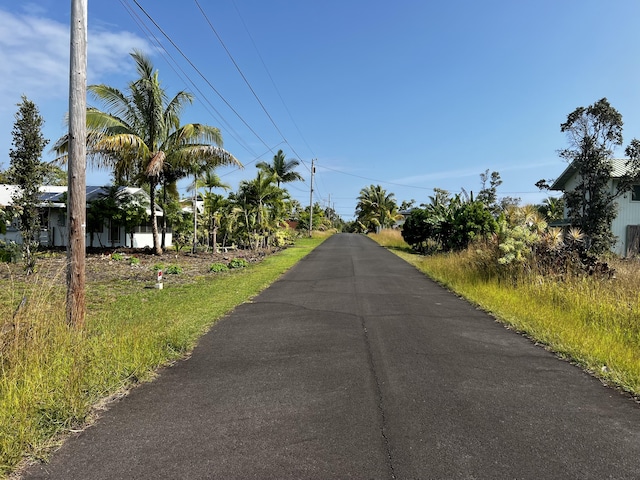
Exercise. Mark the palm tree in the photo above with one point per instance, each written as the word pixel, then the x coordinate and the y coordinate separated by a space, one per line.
pixel 263 198
pixel 281 168
pixel 375 208
pixel 209 180
pixel 552 208
pixel 139 133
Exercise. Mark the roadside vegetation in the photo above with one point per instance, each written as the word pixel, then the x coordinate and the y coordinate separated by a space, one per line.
pixel 592 320
pixel 52 375
pixel 544 270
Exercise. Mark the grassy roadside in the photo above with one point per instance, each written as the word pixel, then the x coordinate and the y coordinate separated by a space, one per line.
pixel 51 376
pixel 593 322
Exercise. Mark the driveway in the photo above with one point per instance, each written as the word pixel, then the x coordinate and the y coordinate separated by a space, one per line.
pixel 355 365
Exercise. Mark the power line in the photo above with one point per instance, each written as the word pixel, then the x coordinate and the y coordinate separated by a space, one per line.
pixel 185 77
pixel 235 64
pixel 272 81
pixel 246 81
pixel 200 73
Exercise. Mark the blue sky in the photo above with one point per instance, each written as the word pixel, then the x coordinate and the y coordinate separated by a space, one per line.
pixel 411 94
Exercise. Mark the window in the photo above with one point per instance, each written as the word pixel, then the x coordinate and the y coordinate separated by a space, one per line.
pixel 114 233
pixel 635 193
pixel 144 228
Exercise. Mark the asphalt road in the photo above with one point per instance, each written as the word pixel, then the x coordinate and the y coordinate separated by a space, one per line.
pixel 354 365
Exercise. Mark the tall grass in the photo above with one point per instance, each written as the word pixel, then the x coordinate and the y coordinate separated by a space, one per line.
pixel 593 321
pixel 52 374
pixel 391 239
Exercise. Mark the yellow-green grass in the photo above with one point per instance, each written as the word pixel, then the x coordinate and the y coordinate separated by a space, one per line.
pixel 594 322
pixel 52 376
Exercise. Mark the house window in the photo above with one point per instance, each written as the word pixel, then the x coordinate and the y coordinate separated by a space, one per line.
pixel 635 193
pixel 114 233
pixel 144 228
pixel 62 219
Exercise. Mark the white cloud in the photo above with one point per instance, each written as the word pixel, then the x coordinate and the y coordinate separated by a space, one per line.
pixel 34 53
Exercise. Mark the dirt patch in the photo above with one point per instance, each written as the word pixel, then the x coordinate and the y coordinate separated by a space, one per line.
pixel 131 265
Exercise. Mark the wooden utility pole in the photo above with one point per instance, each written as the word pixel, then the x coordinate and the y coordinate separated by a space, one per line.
pixel 313 170
pixel 77 195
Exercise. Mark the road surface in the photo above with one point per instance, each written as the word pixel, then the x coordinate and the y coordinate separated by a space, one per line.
pixel 354 365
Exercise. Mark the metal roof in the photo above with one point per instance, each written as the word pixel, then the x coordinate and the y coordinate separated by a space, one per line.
pixel 619 169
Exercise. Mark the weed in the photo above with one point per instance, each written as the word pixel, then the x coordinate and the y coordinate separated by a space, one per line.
pixel 218 267
pixel 173 270
pixel 593 320
pixel 390 239
pixel 117 256
pixel 51 375
pixel 238 263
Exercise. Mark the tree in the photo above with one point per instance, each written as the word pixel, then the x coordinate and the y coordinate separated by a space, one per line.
pixel 139 134
pixel 263 203
pixel 54 175
pixel 488 195
pixel 593 133
pixel 281 168
pixel 209 180
pixel 447 223
pixel 376 209
pixel 100 209
pixel 26 170
pixel 131 211
pixel 552 208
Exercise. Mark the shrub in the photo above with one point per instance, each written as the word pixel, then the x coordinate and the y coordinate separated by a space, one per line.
pixel 173 270
pixel 238 263
pixel 218 267
pixel 10 252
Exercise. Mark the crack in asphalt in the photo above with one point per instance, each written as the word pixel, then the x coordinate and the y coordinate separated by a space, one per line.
pixel 380 401
pixel 376 380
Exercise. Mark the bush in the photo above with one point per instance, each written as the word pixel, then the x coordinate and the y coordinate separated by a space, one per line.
pixel 174 270
pixel 10 252
pixel 238 263
pixel 218 267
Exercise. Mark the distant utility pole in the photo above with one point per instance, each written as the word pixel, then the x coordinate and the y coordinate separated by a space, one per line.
pixel 77 195
pixel 313 170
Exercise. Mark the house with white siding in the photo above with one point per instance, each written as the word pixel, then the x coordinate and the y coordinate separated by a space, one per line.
pixel 53 219
pixel 626 225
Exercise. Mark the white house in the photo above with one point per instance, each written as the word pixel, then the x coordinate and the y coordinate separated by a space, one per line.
pixel 53 219
pixel 626 226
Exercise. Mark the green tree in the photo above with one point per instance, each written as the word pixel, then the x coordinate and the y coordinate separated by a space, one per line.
pixel 131 211
pixel 552 208
pixel 592 133
pixel 209 180
pixel 488 194
pixel 319 219
pixel 264 205
pixel 418 228
pixel 99 210
pixel 376 208
pixel 27 171
pixel 281 168
pixel 471 220
pixel 54 175
pixel 447 223
pixel 140 132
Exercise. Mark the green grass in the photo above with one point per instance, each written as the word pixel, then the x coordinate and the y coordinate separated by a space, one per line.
pixel 52 375
pixel 593 322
